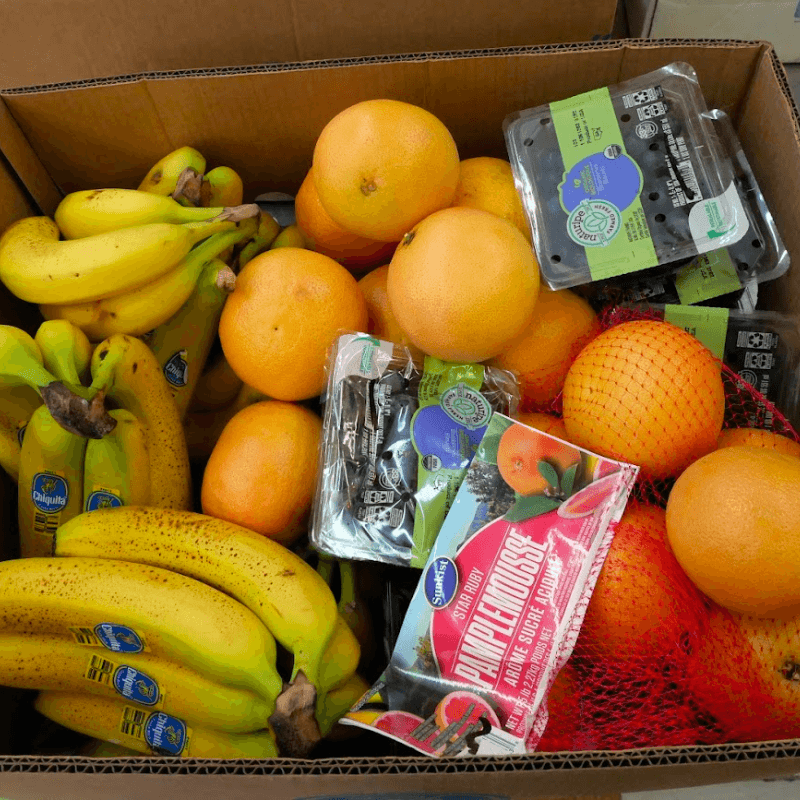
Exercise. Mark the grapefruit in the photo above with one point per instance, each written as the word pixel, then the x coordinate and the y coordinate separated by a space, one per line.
pixel 463 284
pixel 756 437
pixel 466 707
pixel 733 520
pixel 381 166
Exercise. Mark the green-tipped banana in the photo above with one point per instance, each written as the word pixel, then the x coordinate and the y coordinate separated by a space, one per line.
pixel 66 350
pixel 182 344
pixel 268 230
pixel 124 607
pixel 149 732
pixel 50 487
pixel 222 186
pixel 17 405
pixel 129 373
pixel 55 663
pixel 139 311
pixel 117 467
pixel 21 360
pixel 96 211
pixel 339 701
pixel 163 176
pixel 38 268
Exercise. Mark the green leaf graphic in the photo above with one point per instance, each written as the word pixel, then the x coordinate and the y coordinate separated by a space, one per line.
pixel 487 450
pixel 568 481
pixel 548 472
pixel 532 506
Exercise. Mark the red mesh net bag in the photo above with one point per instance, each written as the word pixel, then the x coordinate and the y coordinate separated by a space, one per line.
pixel 657 663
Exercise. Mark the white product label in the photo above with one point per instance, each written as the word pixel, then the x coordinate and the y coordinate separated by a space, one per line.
pixel 718 221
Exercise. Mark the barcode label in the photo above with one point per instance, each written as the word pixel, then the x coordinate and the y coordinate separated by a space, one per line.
pixel 100 670
pixel 492 743
pixel 85 636
pixel 688 180
pixel 644 96
pixel 46 523
pixel 132 723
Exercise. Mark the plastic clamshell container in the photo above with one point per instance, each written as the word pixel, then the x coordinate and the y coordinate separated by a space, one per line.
pixel 624 178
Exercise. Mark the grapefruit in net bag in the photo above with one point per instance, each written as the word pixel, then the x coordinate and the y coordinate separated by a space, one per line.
pixel 758 437
pixel 648 393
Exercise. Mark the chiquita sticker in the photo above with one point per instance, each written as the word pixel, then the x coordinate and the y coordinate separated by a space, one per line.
pixel 500 601
pixel 119 638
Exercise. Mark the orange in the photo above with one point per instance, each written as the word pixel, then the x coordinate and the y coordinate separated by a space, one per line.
pixel 262 471
pixel 488 183
pixel 382 322
pixel 283 316
pixel 518 455
pixel 381 166
pixel 637 609
pixel 544 422
pixel 463 284
pixel 733 520
pixel 645 392
pixel 755 437
pixel 324 236
pixel 561 325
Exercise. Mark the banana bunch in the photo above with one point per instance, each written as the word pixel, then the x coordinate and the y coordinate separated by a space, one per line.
pixel 292 601
pixel 109 641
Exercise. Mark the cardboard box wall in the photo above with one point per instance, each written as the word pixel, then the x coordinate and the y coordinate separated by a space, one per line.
pixel 775 21
pixel 44 41
pixel 263 121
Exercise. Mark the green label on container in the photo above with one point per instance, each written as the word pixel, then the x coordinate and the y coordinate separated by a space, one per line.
pixel 446 430
pixel 709 325
pixel 601 187
pixel 709 275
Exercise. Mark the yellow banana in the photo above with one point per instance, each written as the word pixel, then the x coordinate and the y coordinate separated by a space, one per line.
pixel 17 405
pixel 140 310
pixel 38 268
pixel 268 230
pixel 21 361
pixel 92 212
pixel 341 656
pixel 290 236
pixel 50 488
pixel 182 343
pixel 127 370
pixel 353 609
pixel 149 732
pixel 55 663
pixel 66 350
pixel 203 428
pixel 117 467
pixel 217 386
pixel 293 602
pixel 222 186
pixel 339 701
pixel 163 176
pixel 125 607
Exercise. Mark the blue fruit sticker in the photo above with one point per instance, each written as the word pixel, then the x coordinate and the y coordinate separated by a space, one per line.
pixel 49 492
pixel 165 733
pixel 102 499
pixel 611 175
pixel 435 432
pixel 441 582
pixel 136 686
pixel 176 370
pixel 119 638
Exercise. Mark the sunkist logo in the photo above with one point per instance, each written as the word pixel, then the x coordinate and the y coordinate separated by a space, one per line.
pixel 49 492
pixel 441 582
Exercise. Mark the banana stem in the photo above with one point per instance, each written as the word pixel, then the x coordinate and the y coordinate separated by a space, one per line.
pixel 82 417
pixel 325 567
pixel 189 186
pixel 347 593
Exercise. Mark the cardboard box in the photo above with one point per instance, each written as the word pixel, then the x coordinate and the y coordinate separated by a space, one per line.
pixel 45 42
pixel 775 21
pixel 263 121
